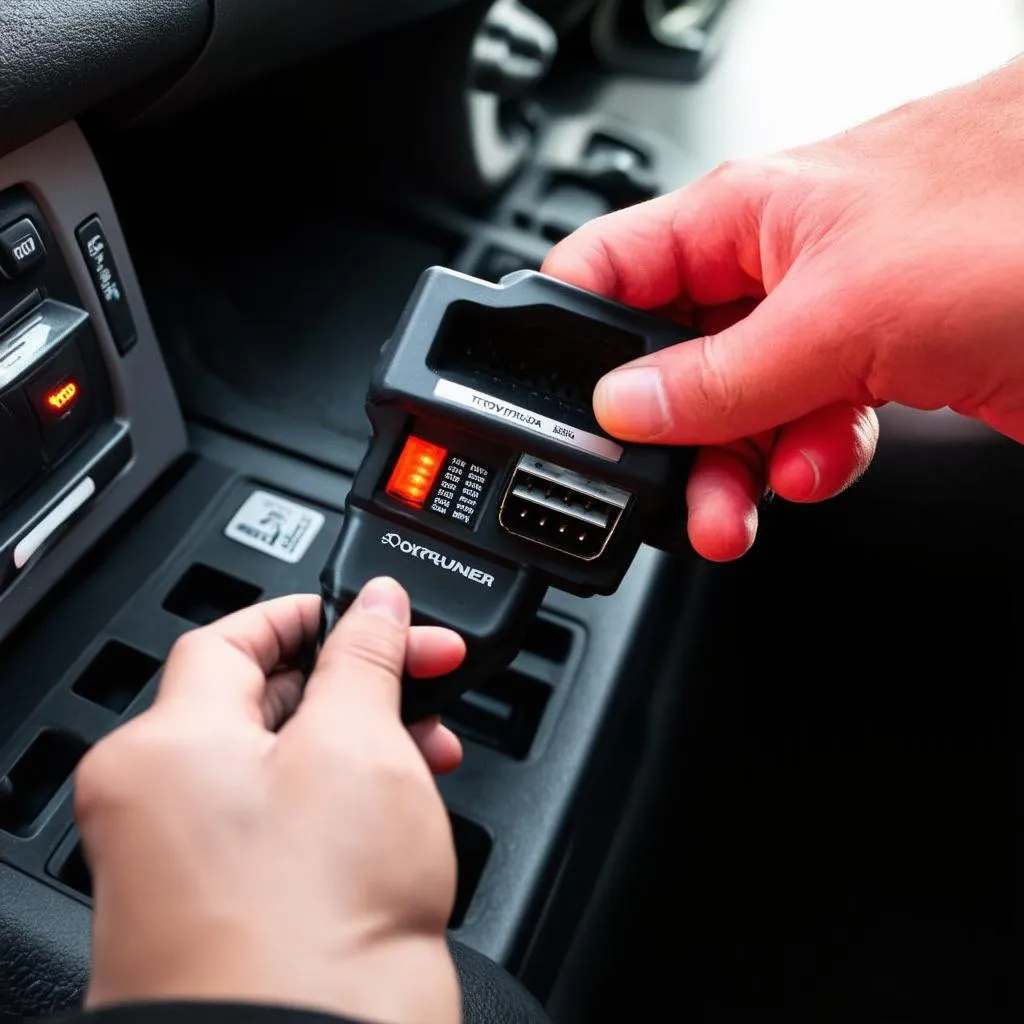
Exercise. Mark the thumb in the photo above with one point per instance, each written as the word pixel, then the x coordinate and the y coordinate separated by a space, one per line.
pixel 361 664
pixel 779 363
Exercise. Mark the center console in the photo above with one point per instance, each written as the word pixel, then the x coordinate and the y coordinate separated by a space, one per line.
pixel 124 524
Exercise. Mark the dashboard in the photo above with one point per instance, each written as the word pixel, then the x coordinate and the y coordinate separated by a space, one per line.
pixel 145 58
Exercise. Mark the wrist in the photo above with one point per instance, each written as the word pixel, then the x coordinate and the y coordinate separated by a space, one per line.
pixel 401 979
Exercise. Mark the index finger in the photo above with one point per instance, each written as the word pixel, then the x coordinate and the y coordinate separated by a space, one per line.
pixel 222 669
pixel 701 242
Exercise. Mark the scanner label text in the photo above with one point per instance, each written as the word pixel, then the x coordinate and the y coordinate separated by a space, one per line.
pixel 425 554
pixel 497 408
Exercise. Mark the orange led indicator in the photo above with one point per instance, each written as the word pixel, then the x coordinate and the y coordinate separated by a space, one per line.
pixel 416 470
pixel 60 398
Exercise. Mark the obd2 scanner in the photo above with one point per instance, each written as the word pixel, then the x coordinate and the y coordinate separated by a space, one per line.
pixel 488 479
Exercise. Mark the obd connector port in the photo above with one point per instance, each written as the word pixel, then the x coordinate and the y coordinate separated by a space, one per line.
pixel 561 509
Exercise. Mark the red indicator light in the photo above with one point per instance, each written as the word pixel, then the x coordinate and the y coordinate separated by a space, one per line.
pixel 60 398
pixel 416 470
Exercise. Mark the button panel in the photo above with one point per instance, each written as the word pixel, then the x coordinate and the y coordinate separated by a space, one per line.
pixel 54 384
pixel 60 396
pixel 21 247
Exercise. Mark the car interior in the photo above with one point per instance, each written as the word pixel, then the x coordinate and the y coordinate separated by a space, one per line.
pixel 777 789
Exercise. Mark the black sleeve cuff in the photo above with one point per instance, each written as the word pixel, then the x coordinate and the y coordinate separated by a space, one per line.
pixel 202 1013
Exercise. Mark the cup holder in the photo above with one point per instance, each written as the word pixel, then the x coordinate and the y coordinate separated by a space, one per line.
pixel 504 713
pixel 68 866
pixel 31 784
pixel 549 640
pixel 116 676
pixel 472 848
pixel 205 594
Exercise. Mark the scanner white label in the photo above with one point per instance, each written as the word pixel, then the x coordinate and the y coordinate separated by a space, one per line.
pixel 276 526
pixel 498 408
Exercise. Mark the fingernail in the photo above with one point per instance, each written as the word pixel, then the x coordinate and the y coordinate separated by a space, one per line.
pixel 385 597
pixel 808 477
pixel 630 403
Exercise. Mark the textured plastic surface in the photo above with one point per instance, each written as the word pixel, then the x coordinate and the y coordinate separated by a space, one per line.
pixel 252 39
pixel 223 329
pixel 61 58
pixel 590 656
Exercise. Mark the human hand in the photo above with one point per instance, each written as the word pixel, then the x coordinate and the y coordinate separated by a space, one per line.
pixel 257 842
pixel 882 265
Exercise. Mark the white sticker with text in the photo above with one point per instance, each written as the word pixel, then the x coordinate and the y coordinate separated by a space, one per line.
pixel 276 526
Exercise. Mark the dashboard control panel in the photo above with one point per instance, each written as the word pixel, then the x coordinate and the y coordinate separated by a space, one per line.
pixel 21 248
pixel 88 417
pixel 55 390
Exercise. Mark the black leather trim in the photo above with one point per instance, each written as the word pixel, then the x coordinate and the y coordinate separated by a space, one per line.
pixel 490 995
pixel 44 961
pixel 59 58
pixel 44 948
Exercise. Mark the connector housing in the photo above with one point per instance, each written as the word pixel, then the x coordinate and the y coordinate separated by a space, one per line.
pixel 561 509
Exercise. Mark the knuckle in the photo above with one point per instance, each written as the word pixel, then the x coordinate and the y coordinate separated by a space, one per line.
pixel 719 390
pixel 132 759
pixel 389 768
pixel 732 170
pixel 107 772
pixel 377 649
pixel 324 744
pixel 188 644
pixel 741 174
pixel 396 774
pixel 93 777
pixel 865 435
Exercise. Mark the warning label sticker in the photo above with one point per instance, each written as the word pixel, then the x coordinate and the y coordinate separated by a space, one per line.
pixel 276 526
